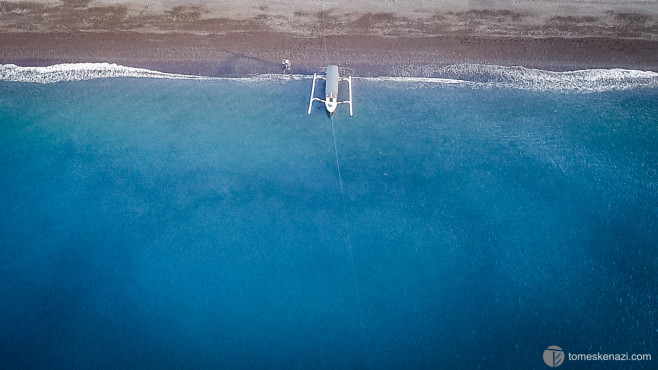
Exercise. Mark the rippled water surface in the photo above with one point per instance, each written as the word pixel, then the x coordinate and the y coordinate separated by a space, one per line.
pixel 177 223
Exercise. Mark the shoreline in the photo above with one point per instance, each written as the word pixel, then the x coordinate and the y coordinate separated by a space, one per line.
pixel 248 53
pixel 368 38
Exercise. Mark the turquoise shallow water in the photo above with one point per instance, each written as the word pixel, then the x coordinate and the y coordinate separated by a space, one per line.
pixel 171 223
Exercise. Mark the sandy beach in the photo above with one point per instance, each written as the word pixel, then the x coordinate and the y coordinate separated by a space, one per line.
pixel 397 40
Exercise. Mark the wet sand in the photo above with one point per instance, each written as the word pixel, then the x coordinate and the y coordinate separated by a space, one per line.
pixel 196 41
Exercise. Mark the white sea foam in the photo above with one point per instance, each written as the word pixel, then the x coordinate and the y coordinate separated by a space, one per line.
pixel 471 75
pixel 80 72
pixel 588 80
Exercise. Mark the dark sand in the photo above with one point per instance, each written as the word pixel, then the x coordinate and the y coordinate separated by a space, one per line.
pixel 184 40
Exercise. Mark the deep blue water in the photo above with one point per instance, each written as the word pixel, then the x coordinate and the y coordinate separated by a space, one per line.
pixel 199 224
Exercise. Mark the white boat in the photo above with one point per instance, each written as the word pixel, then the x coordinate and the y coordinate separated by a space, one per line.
pixel 331 90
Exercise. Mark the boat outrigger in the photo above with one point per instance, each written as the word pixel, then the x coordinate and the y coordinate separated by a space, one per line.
pixel 331 90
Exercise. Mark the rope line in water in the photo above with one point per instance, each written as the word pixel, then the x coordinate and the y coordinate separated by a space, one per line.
pixel 349 247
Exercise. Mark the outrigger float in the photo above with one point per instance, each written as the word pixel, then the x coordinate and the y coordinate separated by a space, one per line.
pixel 331 90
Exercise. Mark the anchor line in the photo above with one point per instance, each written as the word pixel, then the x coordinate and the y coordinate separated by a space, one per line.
pixel 364 338
pixel 324 37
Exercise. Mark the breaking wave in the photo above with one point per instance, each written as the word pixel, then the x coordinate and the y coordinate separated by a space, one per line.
pixel 473 75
